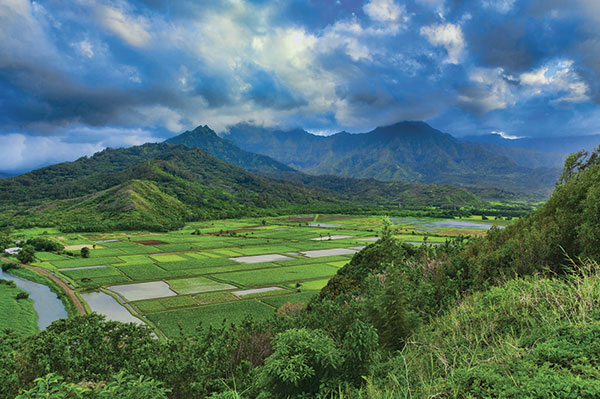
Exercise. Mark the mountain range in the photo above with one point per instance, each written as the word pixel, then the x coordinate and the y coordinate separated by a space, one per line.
pixel 161 186
pixel 407 152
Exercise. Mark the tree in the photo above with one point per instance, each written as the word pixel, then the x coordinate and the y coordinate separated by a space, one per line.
pixel 85 252
pixel 303 365
pixel 26 254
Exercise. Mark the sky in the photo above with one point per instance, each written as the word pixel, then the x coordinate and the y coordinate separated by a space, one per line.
pixel 81 75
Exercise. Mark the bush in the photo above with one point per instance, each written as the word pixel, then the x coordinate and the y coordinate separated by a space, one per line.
pixel 8 266
pixel 304 364
pixel 22 295
pixel 26 254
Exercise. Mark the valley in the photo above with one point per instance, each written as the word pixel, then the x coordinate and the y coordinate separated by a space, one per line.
pixel 224 270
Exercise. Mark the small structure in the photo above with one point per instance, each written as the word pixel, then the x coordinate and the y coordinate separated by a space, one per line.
pixel 12 251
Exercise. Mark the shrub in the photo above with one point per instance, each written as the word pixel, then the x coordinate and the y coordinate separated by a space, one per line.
pixel 304 364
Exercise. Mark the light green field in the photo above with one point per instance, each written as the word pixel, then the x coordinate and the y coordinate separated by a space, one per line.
pixel 167 258
pixel 197 285
pixel 279 275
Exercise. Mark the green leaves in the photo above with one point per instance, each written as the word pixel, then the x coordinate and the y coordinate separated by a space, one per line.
pixel 302 361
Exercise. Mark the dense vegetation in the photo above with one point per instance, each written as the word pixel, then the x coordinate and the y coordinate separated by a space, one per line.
pixel 514 315
pixel 406 152
pixel 161 186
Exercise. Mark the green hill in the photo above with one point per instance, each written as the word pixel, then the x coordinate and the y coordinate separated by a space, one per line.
pixel 161 186
pixel 205 138
pixel 154 186
pixel 345 188
pixel 407 152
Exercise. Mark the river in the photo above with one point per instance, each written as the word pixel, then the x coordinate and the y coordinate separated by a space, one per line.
pixel 45 302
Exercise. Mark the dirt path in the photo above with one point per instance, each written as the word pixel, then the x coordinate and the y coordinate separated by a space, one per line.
pixel 46 273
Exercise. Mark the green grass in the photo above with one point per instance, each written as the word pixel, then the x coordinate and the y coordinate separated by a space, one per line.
pixel 158 304
pixel 278 275
pixel 49 256
pixel 142 272
pixel 199 264
pixel 168 258
pixel 262 250
pixel 279 300
pixel 16 315
pixel 314 284
pixel 64 264
pixel 96 253
pixel 175 247
pixel 141 249
pixel 189 319
pixel 197 285
pixel 208 298
pixel 135 259
pixel 102 281
pixel 339 263
pixel 91 273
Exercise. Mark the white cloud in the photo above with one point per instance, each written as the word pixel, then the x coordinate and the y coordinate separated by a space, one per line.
pixel 535 78
pixel 449 36
pixel 502 6
pixel 85 48
pixel 20 152
pixel 506 136
pixel 556 79
pixel 133 30
pixel 386 12
pixel 489 91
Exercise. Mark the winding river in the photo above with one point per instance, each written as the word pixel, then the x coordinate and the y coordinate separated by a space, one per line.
pixel 45 302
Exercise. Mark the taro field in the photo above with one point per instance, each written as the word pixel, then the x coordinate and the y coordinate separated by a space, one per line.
pixel 223 270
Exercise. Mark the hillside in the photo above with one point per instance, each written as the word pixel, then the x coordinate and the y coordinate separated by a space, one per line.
pixel 345 188
pixel 154 186
pixel 407 152
pixel 161 186
pixel 205 138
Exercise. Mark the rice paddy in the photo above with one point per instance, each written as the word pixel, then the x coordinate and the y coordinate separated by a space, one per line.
pixel 220 270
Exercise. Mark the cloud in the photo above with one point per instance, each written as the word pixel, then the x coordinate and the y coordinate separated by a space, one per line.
pixel 85 48
pixel 386 12
pixel 449 36
pixel 502 6
pixel 133 30
pixel 19 152
pixel 167 66
pixel 486 91
pixel 557 80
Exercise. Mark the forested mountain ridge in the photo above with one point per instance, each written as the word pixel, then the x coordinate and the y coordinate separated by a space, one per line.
pixel 161 186
pixel 205 138
pixel 406 151
pixel 351 189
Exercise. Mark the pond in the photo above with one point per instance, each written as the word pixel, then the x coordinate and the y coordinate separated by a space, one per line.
pixel 45 302
pixel 106 305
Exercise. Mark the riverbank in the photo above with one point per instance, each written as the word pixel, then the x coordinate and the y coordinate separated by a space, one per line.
pixel 17 315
